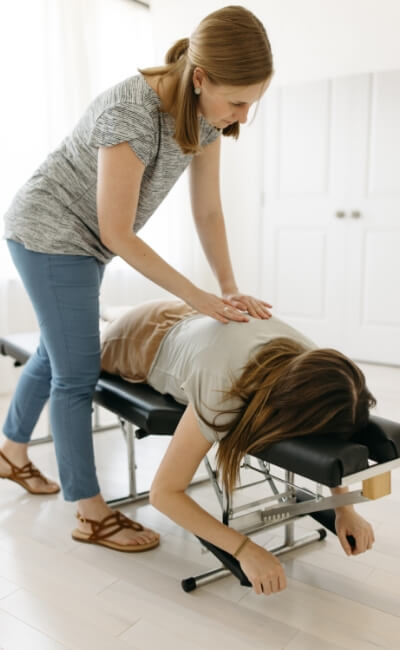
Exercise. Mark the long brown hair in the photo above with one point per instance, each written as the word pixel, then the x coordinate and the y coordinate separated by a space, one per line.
pixel 285 391
pixel 232 47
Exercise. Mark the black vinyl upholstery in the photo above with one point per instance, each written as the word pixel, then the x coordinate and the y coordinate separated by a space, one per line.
pixel 139 403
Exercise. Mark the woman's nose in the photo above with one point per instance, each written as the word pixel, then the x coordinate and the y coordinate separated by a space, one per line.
pixel 242 114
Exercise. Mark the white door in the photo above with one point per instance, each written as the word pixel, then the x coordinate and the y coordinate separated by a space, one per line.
pixel 325 220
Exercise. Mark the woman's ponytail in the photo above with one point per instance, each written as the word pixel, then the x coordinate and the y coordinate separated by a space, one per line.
pixel 178 50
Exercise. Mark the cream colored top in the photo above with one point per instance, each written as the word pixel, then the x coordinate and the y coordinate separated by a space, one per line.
pixel 199 357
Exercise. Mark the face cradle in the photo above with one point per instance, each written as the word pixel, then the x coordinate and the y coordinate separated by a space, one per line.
pixel 223 105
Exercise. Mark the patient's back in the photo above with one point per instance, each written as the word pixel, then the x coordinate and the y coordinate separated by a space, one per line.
pixel 199 357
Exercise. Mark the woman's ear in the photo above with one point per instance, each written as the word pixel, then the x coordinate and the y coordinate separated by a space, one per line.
pixel 198 77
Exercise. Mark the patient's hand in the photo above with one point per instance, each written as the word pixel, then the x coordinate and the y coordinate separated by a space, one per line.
pixel 349 522
pixel 263 569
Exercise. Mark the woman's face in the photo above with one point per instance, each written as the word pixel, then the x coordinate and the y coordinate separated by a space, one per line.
pixel 223 105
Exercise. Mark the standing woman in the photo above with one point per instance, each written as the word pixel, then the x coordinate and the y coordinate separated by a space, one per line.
pixel 87 202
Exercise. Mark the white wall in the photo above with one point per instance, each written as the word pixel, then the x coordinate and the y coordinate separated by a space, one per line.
pixel 310 39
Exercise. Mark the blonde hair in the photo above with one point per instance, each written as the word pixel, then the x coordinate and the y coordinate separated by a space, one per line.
pixel 287 391
pixel 232 47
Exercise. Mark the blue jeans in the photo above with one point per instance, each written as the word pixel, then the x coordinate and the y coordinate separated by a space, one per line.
pixel 64 290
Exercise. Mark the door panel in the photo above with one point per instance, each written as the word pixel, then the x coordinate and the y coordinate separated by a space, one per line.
pixel 300 294
pixel 384 168
pixel 304 127
pixel 381 266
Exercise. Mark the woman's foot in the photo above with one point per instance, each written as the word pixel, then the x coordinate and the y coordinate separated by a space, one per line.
pixel 16 466
pixel 99 524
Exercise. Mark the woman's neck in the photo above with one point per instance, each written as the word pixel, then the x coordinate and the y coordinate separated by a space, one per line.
pixel 163 85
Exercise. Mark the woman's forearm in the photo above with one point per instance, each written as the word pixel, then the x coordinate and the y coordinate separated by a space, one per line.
pixel 341 490
pixel 144 259
pixel 212 234
pixel 185 512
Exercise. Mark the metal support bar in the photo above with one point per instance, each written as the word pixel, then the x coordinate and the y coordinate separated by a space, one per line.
pixel 129 435
pixel 260 501
pixel 213 478
pixel 139 496
pixel 210 576
pixel 289 527
pixel 133 496
pixel 40 441
pixel 96 428
pixel 271 517
pixel 270 476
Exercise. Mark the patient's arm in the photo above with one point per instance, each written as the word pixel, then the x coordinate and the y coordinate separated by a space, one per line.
pixel 342 490
pixel 182 458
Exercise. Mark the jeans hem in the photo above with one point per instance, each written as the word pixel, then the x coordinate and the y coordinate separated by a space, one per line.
pixel 16 438
pixel 80 497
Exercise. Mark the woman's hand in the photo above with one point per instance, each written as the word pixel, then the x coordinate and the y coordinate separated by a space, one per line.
pixel 218 308
pixel 349 522
pixel 255 307
pixel 263 569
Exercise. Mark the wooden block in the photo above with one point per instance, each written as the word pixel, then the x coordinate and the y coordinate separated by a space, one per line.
pixel 377 486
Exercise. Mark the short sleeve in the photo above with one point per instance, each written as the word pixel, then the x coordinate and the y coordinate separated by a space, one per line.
pixel 206 392
pixel 125 123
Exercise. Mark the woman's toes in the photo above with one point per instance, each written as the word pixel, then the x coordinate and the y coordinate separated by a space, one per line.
pixel 151 535
pixel 38 484
pixel 53 487
pixel 148 536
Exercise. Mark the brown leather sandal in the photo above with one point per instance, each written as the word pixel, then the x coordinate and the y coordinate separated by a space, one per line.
pixel 21 475
pixel 105 528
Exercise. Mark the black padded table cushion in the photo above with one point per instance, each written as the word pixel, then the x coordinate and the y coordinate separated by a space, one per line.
pixel 138 403
pixel 324 459
pixel 327 459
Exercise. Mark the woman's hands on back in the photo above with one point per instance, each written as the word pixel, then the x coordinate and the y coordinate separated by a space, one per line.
pixel 211 305
pixel 255 307
pixel 229 307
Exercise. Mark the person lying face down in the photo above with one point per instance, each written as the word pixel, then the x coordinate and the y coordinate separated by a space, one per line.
pixel 259 382
pixel 246 385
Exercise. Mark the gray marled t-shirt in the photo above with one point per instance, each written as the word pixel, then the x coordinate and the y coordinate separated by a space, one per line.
pixel 55 211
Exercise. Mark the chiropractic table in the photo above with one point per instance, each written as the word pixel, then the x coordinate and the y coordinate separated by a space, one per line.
pixel 368 458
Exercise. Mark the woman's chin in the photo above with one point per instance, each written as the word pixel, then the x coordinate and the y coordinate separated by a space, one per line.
pixel 222 124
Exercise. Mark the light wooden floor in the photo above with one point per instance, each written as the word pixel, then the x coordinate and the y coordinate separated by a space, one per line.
pixel 58 594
